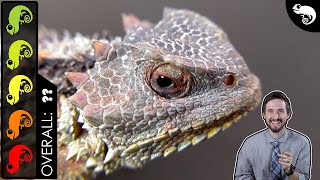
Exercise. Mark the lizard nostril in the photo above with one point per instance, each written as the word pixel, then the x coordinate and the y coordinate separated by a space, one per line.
pixel 230 80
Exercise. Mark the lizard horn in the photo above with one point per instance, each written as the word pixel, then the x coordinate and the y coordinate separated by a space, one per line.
pixel 101 49
pixel 79 99
pixel 131 21
pixel 76 78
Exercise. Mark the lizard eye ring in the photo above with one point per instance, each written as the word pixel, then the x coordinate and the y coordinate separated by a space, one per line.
pixel 9 96
pixel 230 80
pixel 9 61
pixel 9 27
pixel 169 81
pixel 9 166
pixel 9 131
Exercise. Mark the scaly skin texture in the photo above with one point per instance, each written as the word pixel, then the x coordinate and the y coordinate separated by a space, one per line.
pixel 158 90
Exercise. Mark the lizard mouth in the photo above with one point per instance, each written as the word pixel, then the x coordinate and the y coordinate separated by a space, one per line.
pixel 176 139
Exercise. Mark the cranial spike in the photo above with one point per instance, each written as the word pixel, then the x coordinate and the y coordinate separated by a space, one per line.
pixel 98 169
pixel 226 125
pixel 131 149
pixel 91 163
pixel 184 145
pixel 101 49
pixel 155 155
pixel 198 139
pixel 86 126
pixel 160 137
pixel 82 151
pixel 112 153
pixel 93 114
pixel 145 143
pixel 73 149
pixel 169 151
pixel 130 21
pixel 76 78
pixel 79 99
pixel 213 131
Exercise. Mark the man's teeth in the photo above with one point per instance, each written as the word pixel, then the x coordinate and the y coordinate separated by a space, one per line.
pixel 275 122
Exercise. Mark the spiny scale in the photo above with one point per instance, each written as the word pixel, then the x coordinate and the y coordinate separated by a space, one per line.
pixel 77 79
pixel 101 49
pixel 79 99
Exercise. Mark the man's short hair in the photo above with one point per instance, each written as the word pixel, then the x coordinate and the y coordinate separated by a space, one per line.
pixel 276 95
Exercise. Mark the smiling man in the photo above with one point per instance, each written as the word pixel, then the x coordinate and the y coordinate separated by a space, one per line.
pixel 276 152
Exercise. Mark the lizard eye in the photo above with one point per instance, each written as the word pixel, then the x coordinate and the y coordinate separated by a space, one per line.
pixel 169 81
pixel 298 6
pixel 9 27
pixel 9 131
pixel 164 81
pixel 9 166
pixel 9 61
pixel 9 96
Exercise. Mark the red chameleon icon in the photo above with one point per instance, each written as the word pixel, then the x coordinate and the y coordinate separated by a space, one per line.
pixel 17 155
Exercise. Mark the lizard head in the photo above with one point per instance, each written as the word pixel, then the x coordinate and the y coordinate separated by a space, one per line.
pixel 296 8
pixel 163 87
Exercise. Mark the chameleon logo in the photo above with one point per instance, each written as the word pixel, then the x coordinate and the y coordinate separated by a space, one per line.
pixel 17 155
pixel 18 84
pixel 18 50
pixel 18 120
pixel 308 13
pixel 18 15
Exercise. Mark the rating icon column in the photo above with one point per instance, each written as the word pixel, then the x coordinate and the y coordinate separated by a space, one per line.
pixel 28 100
pixel 18 82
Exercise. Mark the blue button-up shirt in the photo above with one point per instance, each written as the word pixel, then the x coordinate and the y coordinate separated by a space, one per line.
pixel 254 156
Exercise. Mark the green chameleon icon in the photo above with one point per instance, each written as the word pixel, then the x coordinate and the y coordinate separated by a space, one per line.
pixel 18 84
pixel 18 50
pixel 18 15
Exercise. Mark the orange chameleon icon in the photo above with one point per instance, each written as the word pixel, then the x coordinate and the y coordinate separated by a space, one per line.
pixel 18 120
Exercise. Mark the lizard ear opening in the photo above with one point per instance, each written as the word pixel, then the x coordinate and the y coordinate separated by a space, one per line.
pixel 230 80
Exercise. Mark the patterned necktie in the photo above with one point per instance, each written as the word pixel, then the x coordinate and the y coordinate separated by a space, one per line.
pixel 276 167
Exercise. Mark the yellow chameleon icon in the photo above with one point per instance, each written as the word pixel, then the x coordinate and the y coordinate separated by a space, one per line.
pixel 18 50
pixel 18 120
pixel 18 15
pixel 18 84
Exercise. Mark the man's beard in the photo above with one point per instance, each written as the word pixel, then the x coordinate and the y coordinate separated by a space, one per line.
pixel 275 130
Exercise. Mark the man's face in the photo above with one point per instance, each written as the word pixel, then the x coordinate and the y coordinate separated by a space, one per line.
pixel 276 115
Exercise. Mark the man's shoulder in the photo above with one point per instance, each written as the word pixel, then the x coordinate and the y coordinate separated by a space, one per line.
pixel 255 137
pixel 298 136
